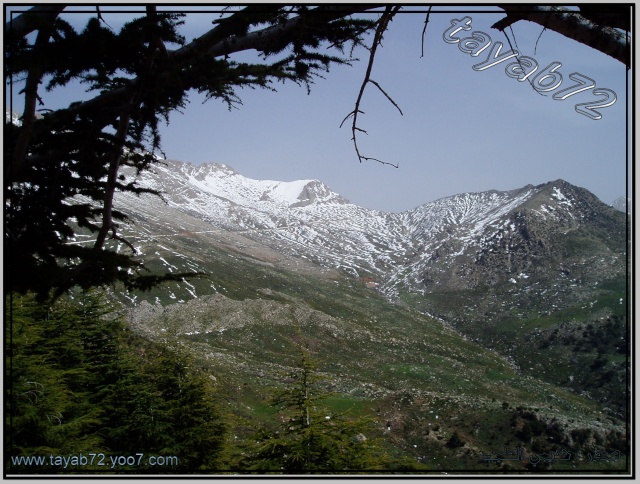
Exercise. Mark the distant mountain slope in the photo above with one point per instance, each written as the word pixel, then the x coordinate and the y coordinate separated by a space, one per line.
pixel 555 232
pixel 623 204
pixel 301 218
pixel 509 304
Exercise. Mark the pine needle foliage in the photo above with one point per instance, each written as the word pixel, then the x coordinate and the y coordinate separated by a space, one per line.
pixel 311 439
pixel 63 167
pixel 79 381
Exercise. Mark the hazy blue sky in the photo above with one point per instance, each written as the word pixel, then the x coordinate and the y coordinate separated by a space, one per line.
pixel 462 130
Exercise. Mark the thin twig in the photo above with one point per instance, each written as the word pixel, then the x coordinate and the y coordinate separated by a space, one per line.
pixel 119 238
pixel 538 39
pixel 348 116
pixel 424 31
pixel 514 37
pixel 519 63
pixel 101 18
pixel 382 27
pixel 387 96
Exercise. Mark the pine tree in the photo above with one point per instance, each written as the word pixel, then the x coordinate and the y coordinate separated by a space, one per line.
pixel 63 168
pixel 79 381
pixel 311 438
pixel 52 378
pixel 140 75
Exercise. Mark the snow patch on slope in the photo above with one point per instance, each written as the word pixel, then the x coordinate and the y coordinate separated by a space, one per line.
pixel 304 218
pixel 285 193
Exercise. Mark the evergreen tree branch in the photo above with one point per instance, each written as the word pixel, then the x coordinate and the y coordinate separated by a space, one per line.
pixel 33 19
pixel 222 40
pixel 116 153
pixel 112 179
pixel 121 135
pixel 34 77
pixel 235 25
pixel 572 25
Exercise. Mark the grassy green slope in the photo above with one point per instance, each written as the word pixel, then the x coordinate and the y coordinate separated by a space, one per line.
pixel 391 362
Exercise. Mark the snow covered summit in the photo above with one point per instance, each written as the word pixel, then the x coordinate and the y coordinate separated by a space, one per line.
pixel 223 182
pixel 462 241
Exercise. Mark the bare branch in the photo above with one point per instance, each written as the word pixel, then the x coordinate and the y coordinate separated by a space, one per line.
pixel 101 18
pixel 383 23
pixel 424 31
pixel 515 41
pixel 367 158
pixel 518 60
pixel 349 115
pixel 115 236
pixel 386 95
pixel 535 49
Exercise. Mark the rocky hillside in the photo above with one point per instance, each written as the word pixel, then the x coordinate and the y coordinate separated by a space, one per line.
pixel 543 240
pixel 418 379
pixel 480 314
pixel 554 243
pixel 623 204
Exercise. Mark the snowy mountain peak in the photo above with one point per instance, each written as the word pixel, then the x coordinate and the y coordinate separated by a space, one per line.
pixel 299 193
pixel 316 192
pixel 460 241
pixel 622 204
pixel 201 171
pixel 223 183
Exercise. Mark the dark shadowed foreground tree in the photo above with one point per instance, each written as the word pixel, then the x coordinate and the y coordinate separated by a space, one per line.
pixel 82 383
pixel 62 168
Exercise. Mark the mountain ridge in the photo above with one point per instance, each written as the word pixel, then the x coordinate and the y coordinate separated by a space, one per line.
pixel 306 219
pixel 478 308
